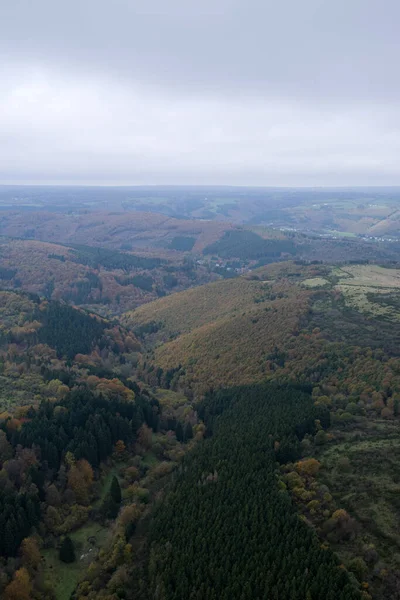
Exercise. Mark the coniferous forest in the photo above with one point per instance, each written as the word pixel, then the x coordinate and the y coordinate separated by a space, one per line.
pixel 228 530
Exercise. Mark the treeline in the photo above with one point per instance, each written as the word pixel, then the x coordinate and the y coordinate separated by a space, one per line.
pixel 86 425
pixel 68 330
pixel 112 259
pixel 7 274
pixel 247 245
pixel 228 530
pixel 80 291
pixel 19 512
pixel 182 243
pixel 144 282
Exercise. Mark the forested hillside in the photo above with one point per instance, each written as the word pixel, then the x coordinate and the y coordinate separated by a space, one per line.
pixel 41 341
pixel 228 530
pixel 80 443
pixel 249 245
pixel 335 333
pixel 111 263
pixel 182 313
pixel 226 333
pixel 110 229
pixel 108 281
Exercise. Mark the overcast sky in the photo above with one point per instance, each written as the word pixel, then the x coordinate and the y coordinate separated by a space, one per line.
pixel 246 92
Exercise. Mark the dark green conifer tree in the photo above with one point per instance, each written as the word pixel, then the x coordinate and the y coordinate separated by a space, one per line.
pixel 67 550
pixel 188 432
pixel 112 501
pixel 115 491
pixel 179 432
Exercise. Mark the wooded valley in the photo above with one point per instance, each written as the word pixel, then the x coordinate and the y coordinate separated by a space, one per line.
pixel 197 410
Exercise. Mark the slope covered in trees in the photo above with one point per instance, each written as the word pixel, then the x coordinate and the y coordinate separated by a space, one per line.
pixel 248 245
pixel 107 279
pixel 109 229
pixel 84 424
pixel 48 347
pixel 55 454
pixel 182 313
pixel 345 353
pixel 72 414
pixel 227 530
pixel 83 444
pixel 269 325
pixel 83 427
pixel 225 333
pixel 69 331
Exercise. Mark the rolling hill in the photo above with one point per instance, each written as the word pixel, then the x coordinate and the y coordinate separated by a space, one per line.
pixel 349 211
pixel 224 333
pixel 41 341
pixel 115 230
pixel 283 321
pixel 291 335
pixel 333 332
pixel 108 281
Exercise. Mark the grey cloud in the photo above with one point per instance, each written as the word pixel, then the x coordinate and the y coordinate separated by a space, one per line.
pixel 218 91
pixel 335 49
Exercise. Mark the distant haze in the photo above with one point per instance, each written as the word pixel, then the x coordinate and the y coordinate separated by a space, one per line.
pixel 239 92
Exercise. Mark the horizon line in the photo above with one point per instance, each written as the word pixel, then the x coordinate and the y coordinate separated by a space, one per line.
pixel 203 186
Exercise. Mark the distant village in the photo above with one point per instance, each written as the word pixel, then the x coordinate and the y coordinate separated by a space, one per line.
pixel 335 236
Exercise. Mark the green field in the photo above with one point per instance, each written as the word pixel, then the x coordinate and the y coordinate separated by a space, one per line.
pixel 315 282
pixel 341 233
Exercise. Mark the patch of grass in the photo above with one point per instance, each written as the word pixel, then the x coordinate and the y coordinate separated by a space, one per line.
pixel 342 233
pixel 90 530
pixel 63 577
pixel 170 398
pixel 361 284
pixel 315 282
pixel 150 459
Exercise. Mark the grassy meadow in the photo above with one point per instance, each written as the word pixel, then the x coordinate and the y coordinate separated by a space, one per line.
pixel 63 578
